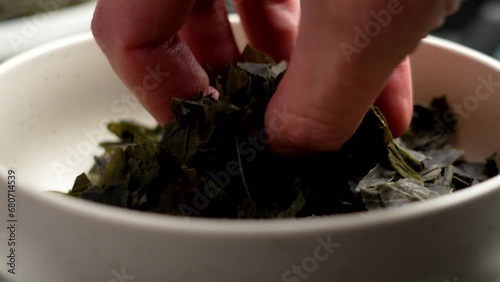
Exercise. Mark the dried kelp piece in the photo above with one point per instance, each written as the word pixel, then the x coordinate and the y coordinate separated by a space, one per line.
pixel 491 166
pixel 121 174
pixel 418 156
pixel 439 189
pixel 431 127
pixel 393 155
pixel 252 55
pixel 443 156
pixel 82 184
pixel 265 71
pixel 112 184
pixel 377 176
pixel 445 178
pixel 431 173
pixel 437 167
pixel 470 173
pixel 400 193
pixel 127 130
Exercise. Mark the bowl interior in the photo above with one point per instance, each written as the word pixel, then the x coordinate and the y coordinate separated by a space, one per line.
pixel 58 111
pixel 58 99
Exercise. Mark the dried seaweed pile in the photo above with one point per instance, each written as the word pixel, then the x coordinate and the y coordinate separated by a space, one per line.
pixel 212 159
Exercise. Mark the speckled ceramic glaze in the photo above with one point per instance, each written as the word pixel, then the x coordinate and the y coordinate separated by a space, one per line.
pixel 54 103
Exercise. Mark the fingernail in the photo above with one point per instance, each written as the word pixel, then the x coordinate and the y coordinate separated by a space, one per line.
pixel 211 91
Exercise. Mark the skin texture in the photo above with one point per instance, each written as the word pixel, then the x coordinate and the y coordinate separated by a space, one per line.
pixel 157 48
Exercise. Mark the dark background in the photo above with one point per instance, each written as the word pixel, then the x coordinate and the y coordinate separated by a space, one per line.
pixel 476 25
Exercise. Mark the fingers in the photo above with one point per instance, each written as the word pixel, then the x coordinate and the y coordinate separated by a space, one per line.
pixel 139 39
pixel 396 99
pixel 271 25
pixel 208 34
pixel 352 49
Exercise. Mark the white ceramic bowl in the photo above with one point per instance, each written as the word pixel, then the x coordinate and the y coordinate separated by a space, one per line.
pixel 55 100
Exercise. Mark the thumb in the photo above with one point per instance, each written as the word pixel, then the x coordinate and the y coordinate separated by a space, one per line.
pixel 346 52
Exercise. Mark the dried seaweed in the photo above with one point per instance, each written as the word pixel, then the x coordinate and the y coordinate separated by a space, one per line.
pixel 212 159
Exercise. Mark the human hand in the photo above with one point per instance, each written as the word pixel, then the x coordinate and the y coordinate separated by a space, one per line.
pixel 157 47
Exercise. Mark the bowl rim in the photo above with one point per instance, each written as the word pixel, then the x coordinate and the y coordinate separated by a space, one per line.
pixel 251 227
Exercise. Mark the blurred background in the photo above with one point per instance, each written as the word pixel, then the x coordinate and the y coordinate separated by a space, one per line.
pixel 476 25
pixel 25 24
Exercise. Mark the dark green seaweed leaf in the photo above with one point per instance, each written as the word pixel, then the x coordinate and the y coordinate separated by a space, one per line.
pixel 254 56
